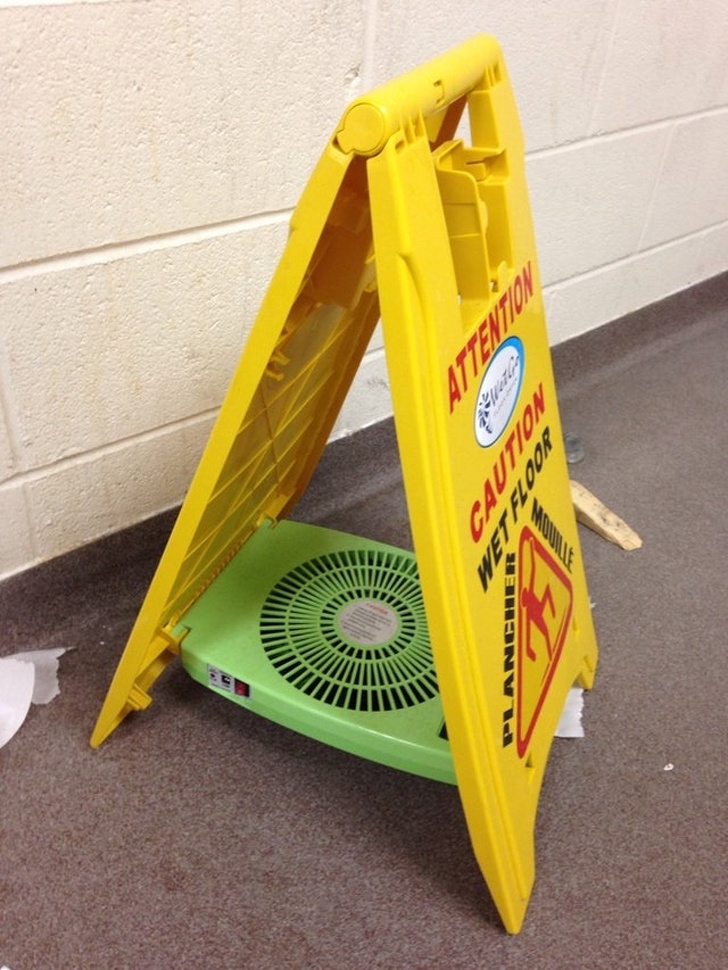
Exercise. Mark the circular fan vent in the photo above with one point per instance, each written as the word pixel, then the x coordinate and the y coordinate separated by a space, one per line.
pixel 349 629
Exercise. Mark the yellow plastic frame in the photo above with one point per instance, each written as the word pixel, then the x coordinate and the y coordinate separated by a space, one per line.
pixel 402 217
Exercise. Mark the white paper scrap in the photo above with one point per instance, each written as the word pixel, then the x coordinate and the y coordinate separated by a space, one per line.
pixel 570 725
pixel 17 678
pixel 25 678
pixel 46 672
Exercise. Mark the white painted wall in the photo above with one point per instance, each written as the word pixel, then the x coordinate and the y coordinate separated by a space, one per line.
pixel 152 151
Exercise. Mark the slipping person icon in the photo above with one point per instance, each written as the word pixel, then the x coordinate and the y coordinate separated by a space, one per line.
pixel 535 609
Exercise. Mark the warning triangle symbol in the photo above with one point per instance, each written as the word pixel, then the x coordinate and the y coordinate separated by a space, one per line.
pixel 545 599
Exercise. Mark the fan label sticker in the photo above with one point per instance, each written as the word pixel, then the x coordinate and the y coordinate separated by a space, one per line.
pixel 368 622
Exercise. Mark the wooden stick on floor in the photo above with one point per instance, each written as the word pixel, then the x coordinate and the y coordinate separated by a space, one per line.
pixel 594 514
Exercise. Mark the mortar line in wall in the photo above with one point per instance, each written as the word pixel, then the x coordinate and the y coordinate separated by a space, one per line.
pixel 637 254
pixel 609 136
pixel 370 38
pixel 45 3
pixel 7 403
pixel 109 252
pixel 86 457
pixel 655 188
pixel 605 68
pixel 9 413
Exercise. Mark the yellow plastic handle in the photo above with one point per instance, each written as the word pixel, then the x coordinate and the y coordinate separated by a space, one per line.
pixel 371 120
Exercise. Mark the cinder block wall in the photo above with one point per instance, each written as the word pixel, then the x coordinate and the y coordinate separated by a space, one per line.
pixel 152 151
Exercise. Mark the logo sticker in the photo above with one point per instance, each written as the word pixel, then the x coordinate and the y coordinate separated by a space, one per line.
pixel 498 392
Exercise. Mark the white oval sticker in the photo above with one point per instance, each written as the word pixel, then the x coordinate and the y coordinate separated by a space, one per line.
pixel 498 392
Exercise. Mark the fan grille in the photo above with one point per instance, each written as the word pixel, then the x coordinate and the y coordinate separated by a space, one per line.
pixel 349 629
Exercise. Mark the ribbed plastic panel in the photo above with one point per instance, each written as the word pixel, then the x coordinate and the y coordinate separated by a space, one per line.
pixel 349 629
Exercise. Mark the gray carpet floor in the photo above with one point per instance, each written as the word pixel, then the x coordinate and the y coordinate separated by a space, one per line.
pixel 200 836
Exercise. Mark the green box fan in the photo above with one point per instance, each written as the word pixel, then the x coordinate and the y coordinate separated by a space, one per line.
pixel 325 633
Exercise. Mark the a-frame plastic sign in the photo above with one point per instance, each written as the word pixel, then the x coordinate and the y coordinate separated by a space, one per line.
pixel 404 217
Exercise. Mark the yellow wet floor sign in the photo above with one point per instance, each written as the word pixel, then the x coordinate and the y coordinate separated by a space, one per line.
pixel 405 218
